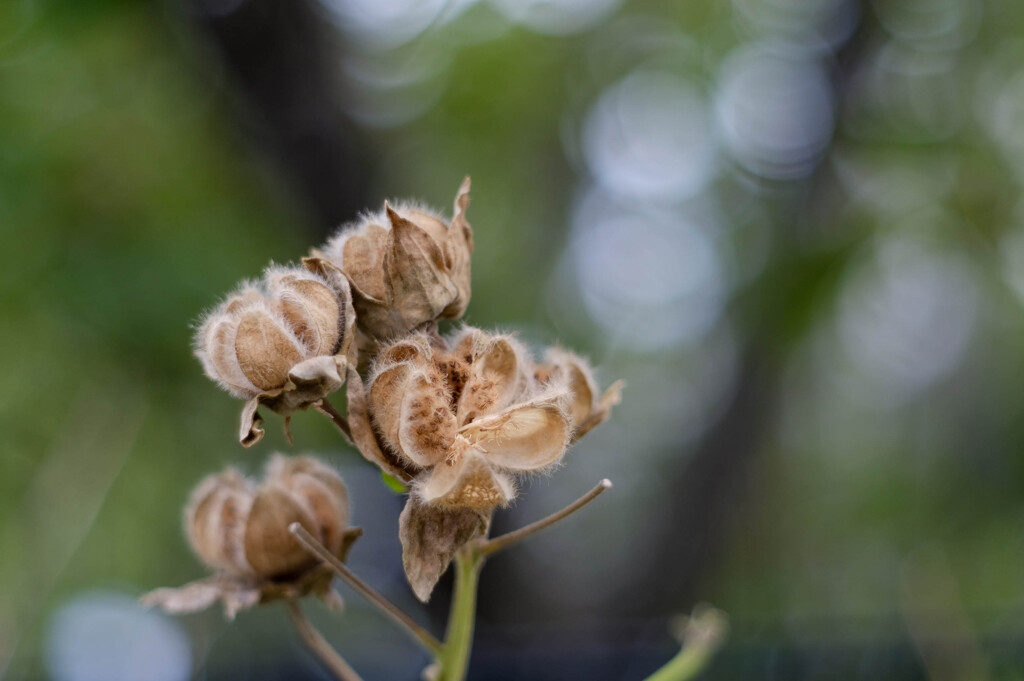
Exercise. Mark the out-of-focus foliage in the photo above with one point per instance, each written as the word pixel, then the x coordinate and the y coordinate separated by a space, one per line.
pixel 794 228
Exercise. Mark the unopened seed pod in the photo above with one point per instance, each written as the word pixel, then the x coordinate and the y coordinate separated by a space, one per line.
pixel 256 337
pixel 241 529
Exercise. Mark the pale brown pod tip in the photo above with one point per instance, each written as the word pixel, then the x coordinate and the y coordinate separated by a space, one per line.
pixel 407 266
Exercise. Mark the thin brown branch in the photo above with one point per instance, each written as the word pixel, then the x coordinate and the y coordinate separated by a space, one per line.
pixel 504 541
pixel 328 410
pixel 319 646
pixel 421 635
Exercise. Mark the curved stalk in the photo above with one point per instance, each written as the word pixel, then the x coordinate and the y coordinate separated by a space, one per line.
pixel 504 541
pixel 319 646
pixel 418 633
pixel 327 409
pixel 702 634
pixel 687 663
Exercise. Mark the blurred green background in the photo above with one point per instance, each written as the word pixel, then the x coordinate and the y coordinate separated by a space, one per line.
pixel 794 227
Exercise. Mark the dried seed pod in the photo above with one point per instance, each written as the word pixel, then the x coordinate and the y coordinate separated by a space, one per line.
pixel 240 530
pixel 464 413
pixel 407 266
pixel 456 419
pixel 283 343
pixel 587 408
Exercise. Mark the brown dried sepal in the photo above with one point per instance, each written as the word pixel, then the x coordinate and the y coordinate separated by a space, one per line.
pixel 587 408
pixel 431 536
pixel 284 343
pixel 407 266
pixel 308 383
pixel 237 593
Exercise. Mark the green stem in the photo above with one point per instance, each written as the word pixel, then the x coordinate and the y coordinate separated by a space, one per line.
pixel 684 666
pixel 458 640
pixel 701 634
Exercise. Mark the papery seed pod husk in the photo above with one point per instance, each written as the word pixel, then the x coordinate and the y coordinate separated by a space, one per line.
pixel 588 408
pixel 407 267
pixel 249 343
pixel 430 537
pixel 241 531
pixel 270 548
pixel 410 403
pixel 283 343
pixel 529 436
pixel 320 490
pixel 365 437
pixel 472 483
pixel 498 376
pixel 215 521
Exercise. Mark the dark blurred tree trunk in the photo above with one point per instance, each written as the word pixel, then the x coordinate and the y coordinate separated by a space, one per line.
pixel 280 58
pixel 711 486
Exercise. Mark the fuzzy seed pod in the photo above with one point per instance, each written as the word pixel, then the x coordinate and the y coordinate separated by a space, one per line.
pixel 406 265
pixel 283 343
pixel 456 419
pixel 241 529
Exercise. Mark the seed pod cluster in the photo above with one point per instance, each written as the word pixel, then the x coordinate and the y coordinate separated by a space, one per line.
pixel 455 418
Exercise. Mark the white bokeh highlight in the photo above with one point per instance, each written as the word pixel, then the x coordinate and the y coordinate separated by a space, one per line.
pixel 389 23
pixel 652 279
pixel 774 110
pixel 556 17
pixel 109 636
pixel 906 318
pixel 650 136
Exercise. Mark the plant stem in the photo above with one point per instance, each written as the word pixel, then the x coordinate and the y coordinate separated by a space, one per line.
pixel 319 646
pixel 684 666
pixel 328 410
pixel 458 640
pixel 504 541
pixel 421 635
pixel 702 634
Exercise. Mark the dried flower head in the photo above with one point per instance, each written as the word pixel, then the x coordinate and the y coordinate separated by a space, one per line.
pixel 466 414
pixel 407 266
pixel 240 531
pixel 457 419
pixel 283 342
